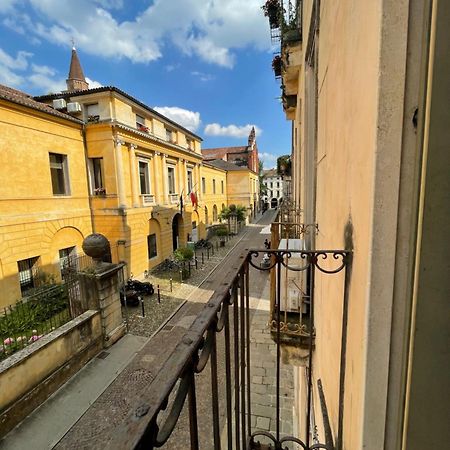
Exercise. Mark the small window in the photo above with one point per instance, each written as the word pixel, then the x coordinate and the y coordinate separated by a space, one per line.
pixel 96 169
pixel 58 170
pixel 190 144
pixel 171 179
pixel 92 112
pixel 28 271
pixel 140 123
pixel 170 135
pixel 214 186
pixel 67 261
pixel 144 177
pixel 221 184
pixel 151 244
pixel 203 185
pixel 189 181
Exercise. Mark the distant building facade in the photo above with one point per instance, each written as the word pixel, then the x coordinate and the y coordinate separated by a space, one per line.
pixel 274 191
pixel 244 156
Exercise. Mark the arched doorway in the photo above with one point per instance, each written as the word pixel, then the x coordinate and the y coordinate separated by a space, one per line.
pixel 274 203
pixel 177 222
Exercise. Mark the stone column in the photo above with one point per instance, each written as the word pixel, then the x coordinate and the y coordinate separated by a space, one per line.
pixel 133 173
pixel 119 173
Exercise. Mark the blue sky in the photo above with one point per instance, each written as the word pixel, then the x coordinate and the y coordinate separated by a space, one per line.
pixel 204 63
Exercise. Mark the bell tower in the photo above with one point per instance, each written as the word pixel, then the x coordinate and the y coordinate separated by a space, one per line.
pixel 76 80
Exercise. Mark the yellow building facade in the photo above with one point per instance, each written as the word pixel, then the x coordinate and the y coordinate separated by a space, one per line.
pixel 44 202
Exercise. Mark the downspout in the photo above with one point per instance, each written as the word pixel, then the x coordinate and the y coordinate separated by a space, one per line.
pixel 83 132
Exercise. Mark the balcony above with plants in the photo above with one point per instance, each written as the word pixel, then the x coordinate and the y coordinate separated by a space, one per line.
pixel 277 66
pixel 289 102
pixel 272 10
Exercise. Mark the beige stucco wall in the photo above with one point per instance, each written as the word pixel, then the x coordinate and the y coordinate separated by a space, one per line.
pixel 360 81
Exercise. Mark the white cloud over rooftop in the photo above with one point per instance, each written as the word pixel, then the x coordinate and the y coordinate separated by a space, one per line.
pixel 235 131
pixel 211 31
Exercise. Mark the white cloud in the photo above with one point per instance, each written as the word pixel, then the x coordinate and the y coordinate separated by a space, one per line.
pixel 18 72
pixel 93 84
pixel 269 160
pixel 184 117
pixel 202 76
pixel 210 30
pixel 235 131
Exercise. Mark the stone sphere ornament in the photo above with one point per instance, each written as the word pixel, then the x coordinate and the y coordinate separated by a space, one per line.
pixel 96 246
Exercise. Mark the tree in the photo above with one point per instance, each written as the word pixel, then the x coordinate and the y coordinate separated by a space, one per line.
pixel 284 165
pixel 228 211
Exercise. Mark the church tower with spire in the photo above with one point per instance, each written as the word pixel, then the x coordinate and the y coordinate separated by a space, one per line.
pixel 76 80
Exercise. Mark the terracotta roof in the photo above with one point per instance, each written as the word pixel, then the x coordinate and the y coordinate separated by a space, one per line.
pixel 75 72
pixel 24 99
pixel 220 152
pixel 68 94
pixel 225 165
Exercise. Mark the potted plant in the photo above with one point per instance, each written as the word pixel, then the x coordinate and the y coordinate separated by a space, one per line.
pixel 183 255
pixel 222 232
pixel 272 10
pixel 276 65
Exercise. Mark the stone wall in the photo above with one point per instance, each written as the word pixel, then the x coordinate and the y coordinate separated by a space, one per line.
pixel 31 375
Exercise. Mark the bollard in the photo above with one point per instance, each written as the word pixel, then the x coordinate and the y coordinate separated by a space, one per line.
pixel 189 265
pixel 159 292
pixel 171 287
pixel 203 258
pixel 196 263
pixel 181 275
pixel 141 300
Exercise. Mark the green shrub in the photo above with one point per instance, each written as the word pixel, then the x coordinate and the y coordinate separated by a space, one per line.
pixel 222 231
pixel 183 254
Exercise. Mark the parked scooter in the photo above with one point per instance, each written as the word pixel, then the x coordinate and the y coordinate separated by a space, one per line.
pixel 133 290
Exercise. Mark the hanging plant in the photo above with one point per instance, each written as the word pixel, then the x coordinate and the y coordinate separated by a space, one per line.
pixel 277 65
pixel 272 10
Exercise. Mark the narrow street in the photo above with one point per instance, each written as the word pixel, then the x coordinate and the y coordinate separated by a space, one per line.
pixel 85 411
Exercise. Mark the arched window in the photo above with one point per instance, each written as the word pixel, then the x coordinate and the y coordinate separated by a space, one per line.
pixel 206 216
pixel 214 213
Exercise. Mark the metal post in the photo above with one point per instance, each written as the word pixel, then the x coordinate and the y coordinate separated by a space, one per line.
pixel 171 286
pixel 181 275
pixel 141 300
pixel 159 292
pixel 203 258
pixel 207 252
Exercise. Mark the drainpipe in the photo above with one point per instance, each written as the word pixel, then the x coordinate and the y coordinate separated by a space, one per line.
pixel 83 132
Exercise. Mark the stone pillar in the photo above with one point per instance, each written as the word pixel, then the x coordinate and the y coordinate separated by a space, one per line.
pixel 101 291
pixel 119 173
pixel 133 173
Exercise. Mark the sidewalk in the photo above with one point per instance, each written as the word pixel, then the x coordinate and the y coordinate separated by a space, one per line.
pixel 43 428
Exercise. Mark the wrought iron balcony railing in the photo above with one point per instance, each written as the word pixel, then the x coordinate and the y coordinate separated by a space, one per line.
pixel 227 314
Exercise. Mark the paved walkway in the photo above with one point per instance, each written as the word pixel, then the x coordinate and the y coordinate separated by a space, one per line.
pixel 106 389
